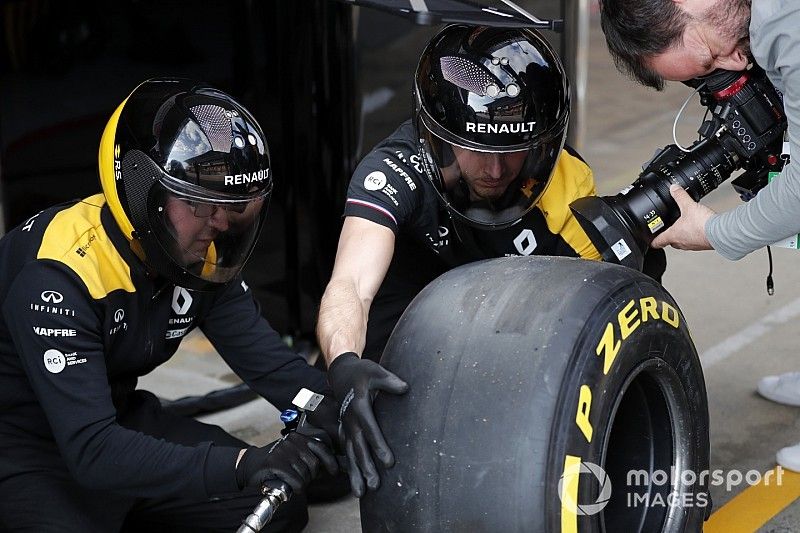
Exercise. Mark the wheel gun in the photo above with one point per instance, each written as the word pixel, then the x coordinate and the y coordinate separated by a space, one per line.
pixel 276 492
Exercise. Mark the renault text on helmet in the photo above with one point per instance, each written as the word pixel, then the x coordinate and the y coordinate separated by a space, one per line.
pixel 491 109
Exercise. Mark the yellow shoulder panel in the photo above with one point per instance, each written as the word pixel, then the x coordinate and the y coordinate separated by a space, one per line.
pixel 76 238
pixel 572 179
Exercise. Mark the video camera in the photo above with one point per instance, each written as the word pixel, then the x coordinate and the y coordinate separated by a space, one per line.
pixel 744 131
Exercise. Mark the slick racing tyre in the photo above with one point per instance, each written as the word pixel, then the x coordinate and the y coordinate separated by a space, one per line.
pixel 546 395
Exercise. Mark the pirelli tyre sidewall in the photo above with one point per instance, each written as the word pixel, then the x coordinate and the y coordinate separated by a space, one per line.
pixel 632 401
pixel 531 379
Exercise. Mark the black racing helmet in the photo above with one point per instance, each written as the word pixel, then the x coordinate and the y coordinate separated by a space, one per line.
pixel 186 173
pixel 491 109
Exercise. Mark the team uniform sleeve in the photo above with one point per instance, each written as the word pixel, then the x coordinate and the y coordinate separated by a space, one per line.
pixel 572 179
pixel 67 372
pixel 774 213
pixel 254 350
pixel 385 189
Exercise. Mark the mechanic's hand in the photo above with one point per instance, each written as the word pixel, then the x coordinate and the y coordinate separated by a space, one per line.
pixel 353 381
pixel 326 418
pixel 294 459
pixel 689 231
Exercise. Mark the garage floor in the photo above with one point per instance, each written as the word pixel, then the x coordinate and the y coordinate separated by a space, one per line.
pixel 741 333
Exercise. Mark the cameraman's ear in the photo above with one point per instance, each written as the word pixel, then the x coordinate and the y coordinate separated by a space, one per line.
pixel 736 60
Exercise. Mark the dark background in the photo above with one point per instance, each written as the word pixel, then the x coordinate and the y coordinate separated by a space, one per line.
pixel 326 81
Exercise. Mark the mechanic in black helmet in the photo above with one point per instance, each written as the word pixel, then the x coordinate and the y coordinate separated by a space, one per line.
pixel 480 171
pixel 98 292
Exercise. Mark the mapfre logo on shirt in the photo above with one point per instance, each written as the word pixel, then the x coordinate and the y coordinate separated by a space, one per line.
pixel 54 332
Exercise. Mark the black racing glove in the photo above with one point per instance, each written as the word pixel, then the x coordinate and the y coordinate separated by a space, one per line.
pixel 353 381
pixel 294 459
pixel 326 418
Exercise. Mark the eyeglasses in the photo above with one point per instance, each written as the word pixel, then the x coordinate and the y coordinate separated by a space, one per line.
pixel 206 210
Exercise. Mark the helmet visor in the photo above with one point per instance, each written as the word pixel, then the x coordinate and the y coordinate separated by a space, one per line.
pixel 488 189
pixel 209 238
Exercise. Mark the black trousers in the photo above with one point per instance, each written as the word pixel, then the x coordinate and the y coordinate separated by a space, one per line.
pixel 48 500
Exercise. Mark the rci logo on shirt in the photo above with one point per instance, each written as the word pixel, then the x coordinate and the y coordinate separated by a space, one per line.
pixel 54 361
pixel 375 181
pixel 181 301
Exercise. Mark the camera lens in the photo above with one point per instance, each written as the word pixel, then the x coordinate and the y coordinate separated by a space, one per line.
pixel 699 171
pixel 622 226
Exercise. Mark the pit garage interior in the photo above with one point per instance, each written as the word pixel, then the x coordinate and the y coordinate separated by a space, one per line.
pixel 741 333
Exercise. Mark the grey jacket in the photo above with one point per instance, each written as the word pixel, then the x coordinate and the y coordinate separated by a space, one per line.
pixel 774 214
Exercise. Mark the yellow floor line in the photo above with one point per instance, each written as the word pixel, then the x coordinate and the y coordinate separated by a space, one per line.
pixel 756 505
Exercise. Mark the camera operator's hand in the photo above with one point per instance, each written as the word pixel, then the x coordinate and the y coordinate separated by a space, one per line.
pixel 353 380
pixel 689 231
pixel 294 459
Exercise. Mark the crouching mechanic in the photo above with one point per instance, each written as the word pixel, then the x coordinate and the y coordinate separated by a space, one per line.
pixel 480 171
pixel 101 291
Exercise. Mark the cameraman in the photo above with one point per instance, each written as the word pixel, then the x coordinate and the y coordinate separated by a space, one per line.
pixel 658 40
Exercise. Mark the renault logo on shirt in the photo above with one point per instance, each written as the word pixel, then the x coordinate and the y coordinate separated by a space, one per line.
pixel 181 300
pixel 52 297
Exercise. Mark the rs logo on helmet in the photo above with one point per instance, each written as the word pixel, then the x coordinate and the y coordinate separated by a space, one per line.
pixel 117 164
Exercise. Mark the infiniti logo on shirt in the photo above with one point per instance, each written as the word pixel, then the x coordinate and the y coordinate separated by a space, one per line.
pixel 52 297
